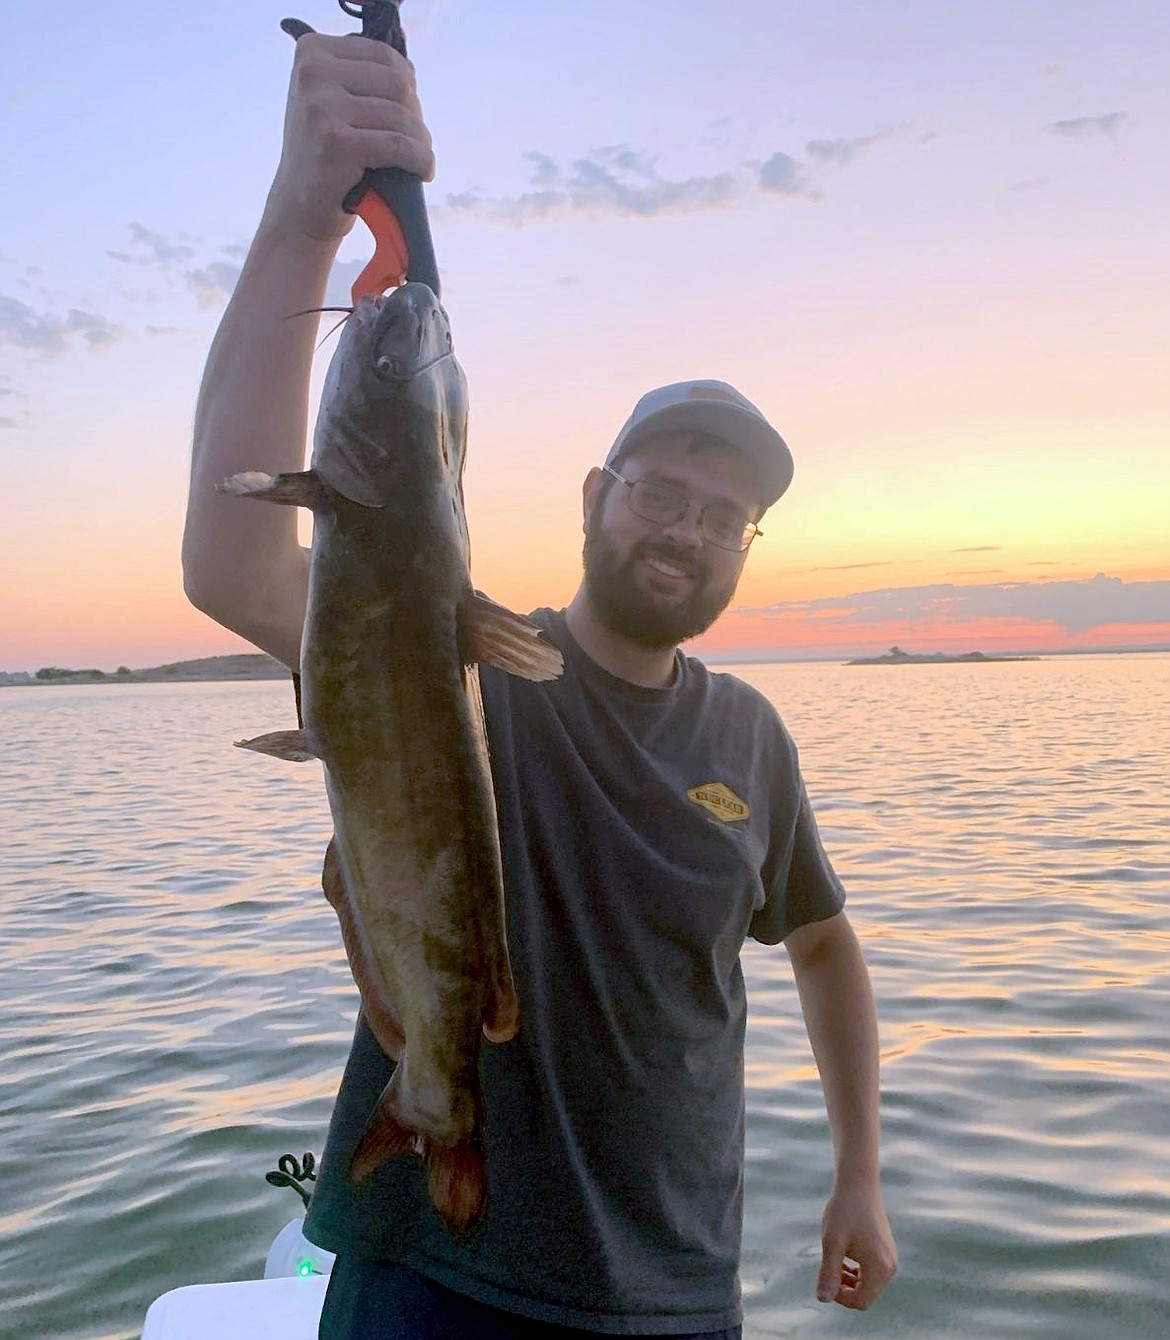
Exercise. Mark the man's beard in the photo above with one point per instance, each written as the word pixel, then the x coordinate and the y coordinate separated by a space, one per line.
pixel 648 620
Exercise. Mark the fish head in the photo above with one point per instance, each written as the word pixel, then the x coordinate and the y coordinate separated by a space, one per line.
pixel 394 402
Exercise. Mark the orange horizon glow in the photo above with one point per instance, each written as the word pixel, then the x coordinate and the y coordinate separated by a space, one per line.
pixel 807 589
pixel 145 620
pixel 795 638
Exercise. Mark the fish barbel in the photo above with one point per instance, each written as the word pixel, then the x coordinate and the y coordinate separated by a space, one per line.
pixel 390 698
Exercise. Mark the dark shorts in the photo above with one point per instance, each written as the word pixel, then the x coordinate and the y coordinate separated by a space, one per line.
pixel 377 1300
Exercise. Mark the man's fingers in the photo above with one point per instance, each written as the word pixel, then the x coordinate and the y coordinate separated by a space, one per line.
pixel 866 1294
pixel 858 1255
pixel 843 1281
pixel 379 148
pixel 829 1277
pixel 364 67
pixel 861 1287
pixel 380 114
pixel 370 79
pixel 344 47
pixel 357 129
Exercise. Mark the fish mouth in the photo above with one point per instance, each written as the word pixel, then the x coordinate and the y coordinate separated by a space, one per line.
pixel 410 334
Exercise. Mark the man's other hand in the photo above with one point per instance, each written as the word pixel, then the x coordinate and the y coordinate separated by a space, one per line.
pixel 858 1256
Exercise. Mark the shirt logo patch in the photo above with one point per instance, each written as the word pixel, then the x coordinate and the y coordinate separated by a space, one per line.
pixel 720 801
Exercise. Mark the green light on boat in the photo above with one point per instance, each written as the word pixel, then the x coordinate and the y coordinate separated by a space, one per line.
pixel 304 1269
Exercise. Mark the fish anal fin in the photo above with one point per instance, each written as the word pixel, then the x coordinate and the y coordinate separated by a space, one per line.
pixel 384 1138
pixel 297 488
pixel 495 635
pixel 457 1182
pixel 294 746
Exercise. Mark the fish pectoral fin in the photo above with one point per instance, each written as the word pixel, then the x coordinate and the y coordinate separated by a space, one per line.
pixel 294 746
pixel 495 635
pixel 297 488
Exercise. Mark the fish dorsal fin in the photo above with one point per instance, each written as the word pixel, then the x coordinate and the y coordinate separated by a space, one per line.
pixel 294 746
pixel 495 635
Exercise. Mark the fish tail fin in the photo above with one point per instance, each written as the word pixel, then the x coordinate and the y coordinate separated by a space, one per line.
pixel 457 1182
pixel 456 1175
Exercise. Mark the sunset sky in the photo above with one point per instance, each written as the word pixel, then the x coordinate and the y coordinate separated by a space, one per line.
pixel 929 240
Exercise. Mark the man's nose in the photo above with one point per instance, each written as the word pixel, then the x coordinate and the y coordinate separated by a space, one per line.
pixel 687 530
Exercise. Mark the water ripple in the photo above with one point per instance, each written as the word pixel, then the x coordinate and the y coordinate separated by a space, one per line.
pixel 177 1009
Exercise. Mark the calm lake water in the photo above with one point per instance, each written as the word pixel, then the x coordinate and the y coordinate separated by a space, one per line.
pixel 175 1008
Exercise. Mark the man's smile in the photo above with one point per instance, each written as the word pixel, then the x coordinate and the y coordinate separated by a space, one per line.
pixel 676 568
pixel 667 569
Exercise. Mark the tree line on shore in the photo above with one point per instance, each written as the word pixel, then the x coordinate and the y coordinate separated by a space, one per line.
pixel 240 666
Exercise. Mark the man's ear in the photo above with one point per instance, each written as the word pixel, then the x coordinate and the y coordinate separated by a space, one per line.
pixel 589 493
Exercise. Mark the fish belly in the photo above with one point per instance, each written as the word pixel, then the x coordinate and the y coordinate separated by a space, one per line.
pixel 415 825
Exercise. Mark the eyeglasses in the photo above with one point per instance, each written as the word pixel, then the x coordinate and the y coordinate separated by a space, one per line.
pixel 721 524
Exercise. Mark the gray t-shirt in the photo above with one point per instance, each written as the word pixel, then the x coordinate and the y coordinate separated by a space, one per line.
pixel 645 833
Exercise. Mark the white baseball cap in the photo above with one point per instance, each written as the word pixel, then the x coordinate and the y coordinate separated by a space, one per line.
pixel 715 408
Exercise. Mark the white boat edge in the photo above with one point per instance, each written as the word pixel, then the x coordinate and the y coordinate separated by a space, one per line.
pixel 284 1305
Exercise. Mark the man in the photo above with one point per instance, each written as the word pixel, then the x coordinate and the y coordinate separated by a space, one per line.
pixel 652 814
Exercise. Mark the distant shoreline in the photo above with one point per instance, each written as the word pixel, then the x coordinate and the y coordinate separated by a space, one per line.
pixel 1043 654
pixel 257 666
pixel 895 656
pixel 207 668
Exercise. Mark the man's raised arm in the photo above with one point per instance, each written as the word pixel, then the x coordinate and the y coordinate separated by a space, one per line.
pixel 351 105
